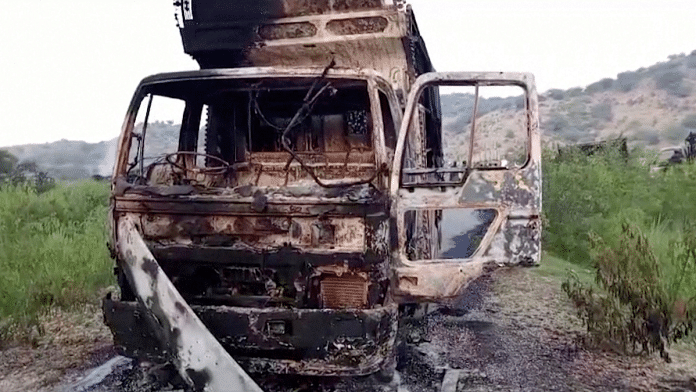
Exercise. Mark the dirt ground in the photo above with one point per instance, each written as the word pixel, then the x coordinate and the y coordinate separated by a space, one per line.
pixel 71 343
pixel 513 330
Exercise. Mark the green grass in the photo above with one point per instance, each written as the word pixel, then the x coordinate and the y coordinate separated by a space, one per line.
pixel 557 269
pixel 52 250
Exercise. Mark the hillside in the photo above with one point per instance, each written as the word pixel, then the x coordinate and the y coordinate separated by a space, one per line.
pixel 68 159
pixel 653 107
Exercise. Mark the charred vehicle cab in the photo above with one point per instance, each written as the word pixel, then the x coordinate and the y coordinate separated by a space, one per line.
pixel 280 211
pixel 267 207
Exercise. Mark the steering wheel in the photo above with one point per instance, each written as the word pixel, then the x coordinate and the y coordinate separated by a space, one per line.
pixel 225 166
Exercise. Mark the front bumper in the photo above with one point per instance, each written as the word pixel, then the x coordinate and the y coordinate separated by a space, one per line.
pixel 318 342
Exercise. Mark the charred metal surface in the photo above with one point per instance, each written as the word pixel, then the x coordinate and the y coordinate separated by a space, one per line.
pixel 256 258
pixel 297 33
pixel 282 341
pixel 133 335
pixel 514 235
pixel 352 26
pixel 287 30
pixel 198 356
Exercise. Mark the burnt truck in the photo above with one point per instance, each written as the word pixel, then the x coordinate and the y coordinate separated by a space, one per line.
pixel 278 205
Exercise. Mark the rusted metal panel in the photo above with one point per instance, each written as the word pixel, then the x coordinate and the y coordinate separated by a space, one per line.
pixel 513 237
pixel 355 34
pixel 264 253
pixel 274 340
pixel 198 356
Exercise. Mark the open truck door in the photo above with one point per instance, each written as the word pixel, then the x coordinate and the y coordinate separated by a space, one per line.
pixel 465 186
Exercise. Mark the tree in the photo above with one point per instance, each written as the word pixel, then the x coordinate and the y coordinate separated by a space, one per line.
pixel 7 162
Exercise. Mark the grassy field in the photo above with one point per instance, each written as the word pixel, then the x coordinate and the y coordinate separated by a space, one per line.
pixel 52 251
pixel 635 229
pixel 600 194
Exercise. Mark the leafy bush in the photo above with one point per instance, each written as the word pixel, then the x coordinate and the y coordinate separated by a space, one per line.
pixel 602 111
pixel 25 174
pixel 689 121
pixel 691 60
pixel 555 124
pixel 672 82
pixel 639 306
pixel 597 193
pixel 602 85
pixel 574 92
pixel 627 81
pixel 556 94
pixel 7 162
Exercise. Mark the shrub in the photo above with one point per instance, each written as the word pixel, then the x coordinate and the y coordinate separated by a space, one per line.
pixel 627 81
pixel 638 307
pixel 602 85
pixel 689 121
pixel 602 111
pixel 7 162
pixel 672 82
pixel 574 92
pixel 556 94
pixel 691 60
pixel 555 124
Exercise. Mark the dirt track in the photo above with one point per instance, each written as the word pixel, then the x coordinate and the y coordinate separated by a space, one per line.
pixel 511 331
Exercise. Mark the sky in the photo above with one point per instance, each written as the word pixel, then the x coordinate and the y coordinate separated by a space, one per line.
pixel 69 68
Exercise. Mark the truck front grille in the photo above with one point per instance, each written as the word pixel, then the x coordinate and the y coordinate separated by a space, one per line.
pixel 344 292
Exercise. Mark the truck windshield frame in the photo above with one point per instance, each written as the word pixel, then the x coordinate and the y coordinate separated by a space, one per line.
pixel 233 124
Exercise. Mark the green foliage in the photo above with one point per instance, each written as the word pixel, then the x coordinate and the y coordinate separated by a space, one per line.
pixel 672 81
pixel 689 121
pixel 25 174
pixel 645 271
pixel 597 193
pixel 7 162
pixel 602 111
pixel 627 81
pixel 555 124
pixel 640 305
pixel 556 94
pixel 602 85
pixel 52 250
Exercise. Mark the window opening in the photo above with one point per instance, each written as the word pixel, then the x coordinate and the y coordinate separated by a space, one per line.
pixel 483 127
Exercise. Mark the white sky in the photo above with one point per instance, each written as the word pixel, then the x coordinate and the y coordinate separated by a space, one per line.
pixel 68 68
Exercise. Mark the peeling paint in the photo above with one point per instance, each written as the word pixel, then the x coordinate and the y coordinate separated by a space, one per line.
pixel 513 237
pixel 262 261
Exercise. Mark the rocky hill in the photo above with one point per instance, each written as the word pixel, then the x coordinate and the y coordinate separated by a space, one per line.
pixel 653 107
pixel 68 159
